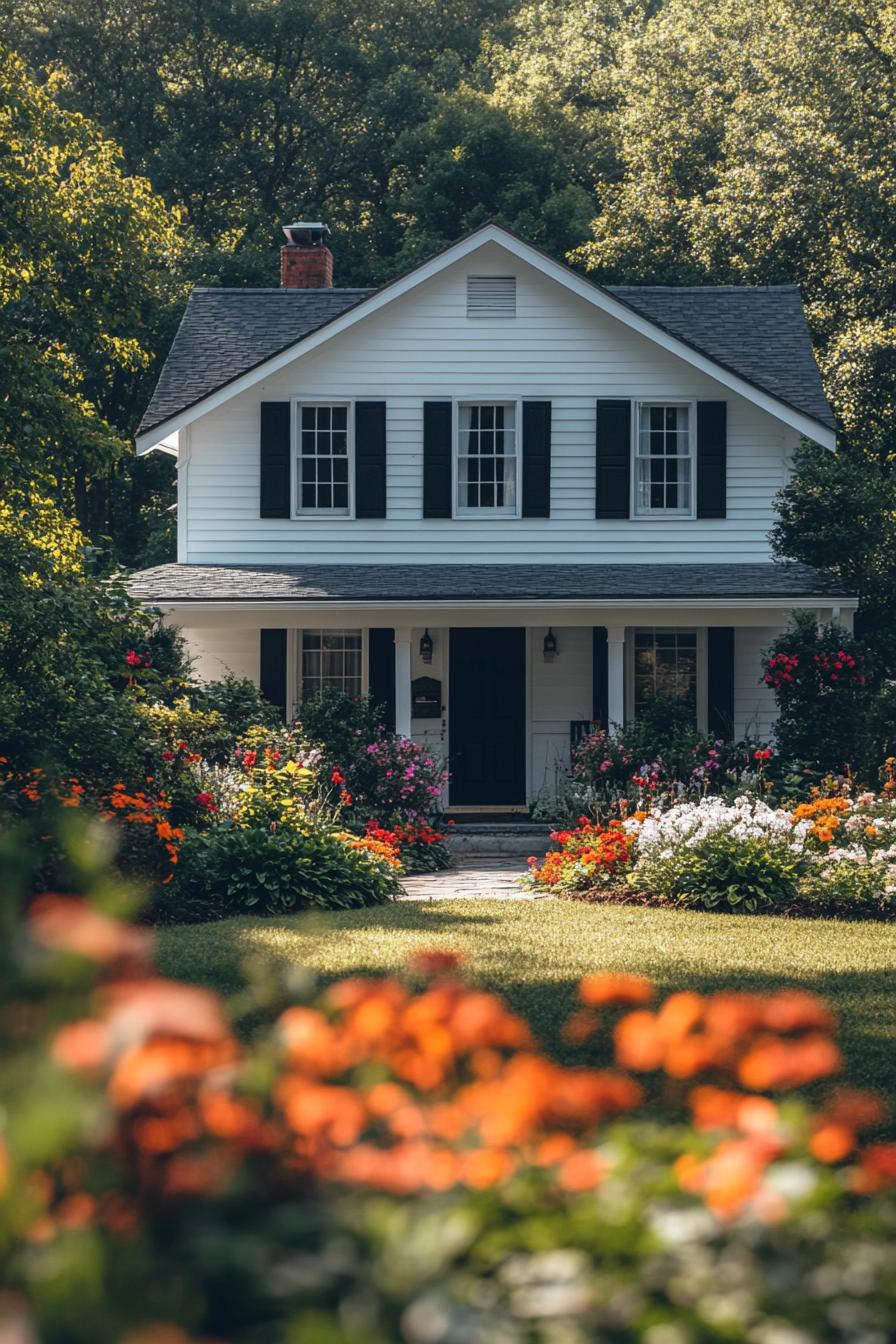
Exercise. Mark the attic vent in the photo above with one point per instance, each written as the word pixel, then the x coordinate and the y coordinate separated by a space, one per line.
pixel 491 296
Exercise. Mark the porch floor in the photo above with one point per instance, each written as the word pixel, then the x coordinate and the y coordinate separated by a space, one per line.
pixel 475 878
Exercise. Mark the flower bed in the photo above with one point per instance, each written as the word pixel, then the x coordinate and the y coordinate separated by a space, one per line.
pixel 827 856
pixel 397 1153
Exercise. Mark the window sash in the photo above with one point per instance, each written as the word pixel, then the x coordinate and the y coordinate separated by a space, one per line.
pixel 331 658
pixel 323 459
pixel 487 458
pixel 663 458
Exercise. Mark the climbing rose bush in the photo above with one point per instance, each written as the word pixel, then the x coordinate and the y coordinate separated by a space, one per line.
pixel 398 1153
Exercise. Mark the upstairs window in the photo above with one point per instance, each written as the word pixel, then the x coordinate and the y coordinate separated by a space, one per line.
pixel 663 460
pixel 487 458
pixel 331 658
pixel 491 296
pixel 323 459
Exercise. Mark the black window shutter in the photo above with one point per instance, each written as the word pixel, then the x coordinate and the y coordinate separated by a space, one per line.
pixel 437 459
pixel 712 456
pixel 613 458
pixel 536 459
pixel 720 680
pixel 272 665
pixel 600 706
pixel 381 672
pixel 274 459
pixel 370 459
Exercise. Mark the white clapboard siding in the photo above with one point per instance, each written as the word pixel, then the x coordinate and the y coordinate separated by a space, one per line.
pixel 219 651
pixel 755 711
pixel 559 691
pixel 422 346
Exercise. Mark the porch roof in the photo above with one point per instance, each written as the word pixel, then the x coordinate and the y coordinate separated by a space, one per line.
pixel 182 584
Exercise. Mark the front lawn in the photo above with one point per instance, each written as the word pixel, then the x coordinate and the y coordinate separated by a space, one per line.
pixel 535 951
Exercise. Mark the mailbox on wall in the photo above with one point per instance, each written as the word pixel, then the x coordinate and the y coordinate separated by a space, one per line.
pixel 426 698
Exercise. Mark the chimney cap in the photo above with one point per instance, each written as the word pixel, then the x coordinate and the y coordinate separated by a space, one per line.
pixel 306 233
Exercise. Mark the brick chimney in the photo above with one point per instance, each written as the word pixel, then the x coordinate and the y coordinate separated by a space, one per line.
pixel 306 261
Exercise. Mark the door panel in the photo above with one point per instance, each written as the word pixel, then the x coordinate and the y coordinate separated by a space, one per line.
pixel 487 716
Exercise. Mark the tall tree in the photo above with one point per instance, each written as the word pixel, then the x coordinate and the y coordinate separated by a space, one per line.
pixel 250 112
pixel 87 281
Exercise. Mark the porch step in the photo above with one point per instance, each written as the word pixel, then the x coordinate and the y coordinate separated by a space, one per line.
pixel 492 839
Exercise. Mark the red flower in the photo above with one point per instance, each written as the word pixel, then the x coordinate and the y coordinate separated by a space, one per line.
pixel 249 759
pixel 167 755
pixel 207 801
pixel 133 658
pixel 763 754
pixel 337 777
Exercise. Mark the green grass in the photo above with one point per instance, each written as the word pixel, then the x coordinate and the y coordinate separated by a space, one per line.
pixel 535 951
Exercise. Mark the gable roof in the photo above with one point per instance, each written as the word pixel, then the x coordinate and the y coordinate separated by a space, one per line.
pixel 226 332
pixel 756 334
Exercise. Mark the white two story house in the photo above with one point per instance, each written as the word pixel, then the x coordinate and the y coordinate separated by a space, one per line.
pixel 502 499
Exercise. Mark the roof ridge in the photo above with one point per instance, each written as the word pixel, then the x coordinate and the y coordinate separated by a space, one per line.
pixel 707 289
pixel 278 289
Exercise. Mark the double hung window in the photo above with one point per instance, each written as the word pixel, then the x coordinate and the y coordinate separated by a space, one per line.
pixel 323 475
pixel 487 459
pixel 664 452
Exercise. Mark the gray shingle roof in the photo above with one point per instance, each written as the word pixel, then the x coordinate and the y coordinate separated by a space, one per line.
pixel 757 331
pixel 226 332
pixel 177 583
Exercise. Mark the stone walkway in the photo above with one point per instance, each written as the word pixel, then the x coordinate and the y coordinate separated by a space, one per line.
pixel 474 878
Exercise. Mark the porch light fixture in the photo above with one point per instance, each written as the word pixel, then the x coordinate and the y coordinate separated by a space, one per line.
pixel 426 647
pixel 550 646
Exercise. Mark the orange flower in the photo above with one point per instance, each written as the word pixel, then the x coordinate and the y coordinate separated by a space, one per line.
pixel 798 1010
pixel 82 1046
pixel 607 987
pixel 581 1171
pixel 66 923
pixel 486 1167
pixel 771 1064
pixel 832 1142
pixel 638 1043
pixel 151 1068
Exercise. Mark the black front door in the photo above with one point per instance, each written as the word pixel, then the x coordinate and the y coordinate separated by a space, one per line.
pixel 487 717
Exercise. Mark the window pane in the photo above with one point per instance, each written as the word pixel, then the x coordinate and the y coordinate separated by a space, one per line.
pixel 323 452
pixel 486 464
pixel 331 658
pixel 665 665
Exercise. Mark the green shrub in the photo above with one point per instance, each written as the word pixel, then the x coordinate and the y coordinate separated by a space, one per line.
pixel 339 724
pixel 823 682
pixel 717 856
pixel 232 870
pixel 238 703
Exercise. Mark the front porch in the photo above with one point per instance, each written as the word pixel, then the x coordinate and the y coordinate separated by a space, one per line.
pixel 498 668
pixel 503 700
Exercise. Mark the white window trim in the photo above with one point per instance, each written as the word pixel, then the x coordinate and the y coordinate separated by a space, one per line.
pixel 493 515
pixel 702 670
pixel 663 515
pixel 326 515
pixel 296 687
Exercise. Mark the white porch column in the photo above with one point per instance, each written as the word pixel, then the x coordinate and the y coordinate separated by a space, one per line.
pixel 615 678
pixel 403 681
